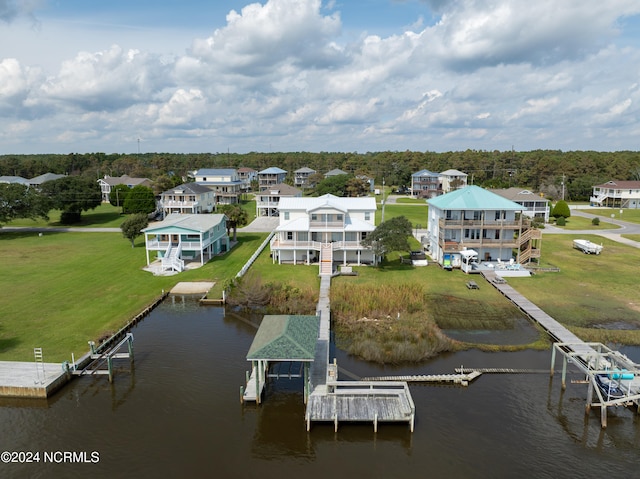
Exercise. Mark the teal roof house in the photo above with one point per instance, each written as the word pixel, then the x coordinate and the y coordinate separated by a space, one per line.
pixel 473 218
pixel 186 237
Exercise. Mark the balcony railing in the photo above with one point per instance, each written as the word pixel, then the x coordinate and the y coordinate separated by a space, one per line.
pixel 179 204
pixel 326 224
pixel 481 224
pixel 186 245
pixel 314 245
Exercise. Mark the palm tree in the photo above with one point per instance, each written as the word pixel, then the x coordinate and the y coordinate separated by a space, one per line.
pixel 236 217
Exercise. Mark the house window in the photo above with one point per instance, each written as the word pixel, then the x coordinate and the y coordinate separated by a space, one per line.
pixel 497 215
pixel 289 235
pixel 286 216
pixel 339 217
pixel 367 216
pixel 314 217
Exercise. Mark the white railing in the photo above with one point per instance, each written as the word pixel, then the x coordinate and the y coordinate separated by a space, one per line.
pixel 255 255
pixel 179 204
pixel 314 245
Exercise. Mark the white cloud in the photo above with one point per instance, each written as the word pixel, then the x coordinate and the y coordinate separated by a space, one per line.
pixel 533 74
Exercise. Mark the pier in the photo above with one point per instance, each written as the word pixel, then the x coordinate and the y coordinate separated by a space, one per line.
pixel 596 361
pixel 305 339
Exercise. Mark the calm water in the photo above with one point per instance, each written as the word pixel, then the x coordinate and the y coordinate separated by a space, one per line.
pixel 178 415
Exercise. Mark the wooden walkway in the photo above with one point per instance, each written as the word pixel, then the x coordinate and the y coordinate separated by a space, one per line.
pixel 463 378
pixel 557 332
pixel 350 401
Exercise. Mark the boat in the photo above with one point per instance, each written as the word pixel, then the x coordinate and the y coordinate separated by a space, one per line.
pixel 609 388
pixel 587 247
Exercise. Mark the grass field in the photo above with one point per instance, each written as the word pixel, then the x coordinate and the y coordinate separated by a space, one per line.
pixel 417 214
pixel 631 215
pixel 582 223
pixel 104 216
pixel 64 289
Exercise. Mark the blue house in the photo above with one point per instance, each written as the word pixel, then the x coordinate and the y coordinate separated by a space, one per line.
pixel 181 237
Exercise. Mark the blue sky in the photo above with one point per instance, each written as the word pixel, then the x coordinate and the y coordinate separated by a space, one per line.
pixel 293 75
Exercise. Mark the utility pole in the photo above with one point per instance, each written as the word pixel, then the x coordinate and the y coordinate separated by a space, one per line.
pixel 382 220
pixel 562 186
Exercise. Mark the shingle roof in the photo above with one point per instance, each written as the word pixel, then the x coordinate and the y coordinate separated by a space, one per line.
pixel 38 180
pixel 518 194
pixel 123 180
pixel 453 173
pixel 14 179
pixel 336 172
pixel 304 169
pixel 473 198
pixel 285 338
pixel 195 188
pixel 281 189
pixel 622 185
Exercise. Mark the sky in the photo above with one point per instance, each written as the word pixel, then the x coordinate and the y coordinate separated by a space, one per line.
pixel 196 76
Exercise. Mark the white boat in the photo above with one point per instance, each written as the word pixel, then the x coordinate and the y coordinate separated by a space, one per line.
pixel 587 247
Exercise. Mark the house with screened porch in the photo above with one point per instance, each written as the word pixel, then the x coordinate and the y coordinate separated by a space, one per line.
pixel 326 230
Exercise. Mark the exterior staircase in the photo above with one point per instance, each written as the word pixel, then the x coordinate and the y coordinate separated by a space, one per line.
pixel 172 259
pixel 326 259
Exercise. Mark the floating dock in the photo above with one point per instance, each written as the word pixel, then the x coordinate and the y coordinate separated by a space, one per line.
pixel 30 379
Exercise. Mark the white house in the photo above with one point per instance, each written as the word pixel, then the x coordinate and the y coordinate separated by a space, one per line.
pixel 189 198
pixel 473 218
pixel 108 182
pixel 536 206
pixel 224 182
pixel 617 194
pixel 267 201
pixel 179 237
pixel 247 175
pixel 451 180
pixel 326 230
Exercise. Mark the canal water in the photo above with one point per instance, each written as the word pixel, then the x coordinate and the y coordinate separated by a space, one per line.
pixel 178 414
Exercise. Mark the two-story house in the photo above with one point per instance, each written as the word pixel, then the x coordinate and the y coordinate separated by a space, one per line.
pixel 189 198
pixel 425 184
pixel 179 238
pixel 247 176
pixel 452 180
pixel 267 201
pixel 617 194
pixel 108 182
pixel 326 230
pixel 535 206
pixel 473 218
pixel 301 177
pixel 271 176
pixel 224 182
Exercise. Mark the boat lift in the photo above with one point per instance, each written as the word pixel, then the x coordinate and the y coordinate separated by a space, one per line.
pixel 596 362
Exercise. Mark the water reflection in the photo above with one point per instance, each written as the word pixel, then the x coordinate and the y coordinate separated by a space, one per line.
pixel 177 414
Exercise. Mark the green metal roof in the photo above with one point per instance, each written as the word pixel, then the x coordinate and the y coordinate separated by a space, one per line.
pixel 285 338
pixel 473 198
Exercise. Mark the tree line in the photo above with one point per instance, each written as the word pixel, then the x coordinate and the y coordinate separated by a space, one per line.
pixel 540 170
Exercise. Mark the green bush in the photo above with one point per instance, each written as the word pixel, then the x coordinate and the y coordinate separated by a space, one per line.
pixel 595 221
pixel 560 221
pixel 561 209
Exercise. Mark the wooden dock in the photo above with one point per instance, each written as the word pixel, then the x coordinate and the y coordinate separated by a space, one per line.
pixel 462 378
pixel 360 401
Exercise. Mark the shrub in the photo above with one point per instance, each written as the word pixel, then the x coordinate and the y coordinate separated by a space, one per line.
pixel 561 209
pixel 560 221
pixel 595 221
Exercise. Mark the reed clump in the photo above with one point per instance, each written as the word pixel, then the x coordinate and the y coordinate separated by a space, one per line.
pixel 386 323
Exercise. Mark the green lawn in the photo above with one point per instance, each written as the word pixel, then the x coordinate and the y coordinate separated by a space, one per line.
pixel 61 290
pixel 631 215
pixel 411 201
pixel 416 214
pixel 104 216
pixel 581 223
pixel 589 290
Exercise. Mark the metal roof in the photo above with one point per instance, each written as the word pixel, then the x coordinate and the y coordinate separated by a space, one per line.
pixel 215 172
pixel 425 173
pixel 273 170
pixel 335 172
pixel 453 173
pixel 336 202
pixel 199 223
pixel 473 198
pixel 285 338
pixel 304 169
